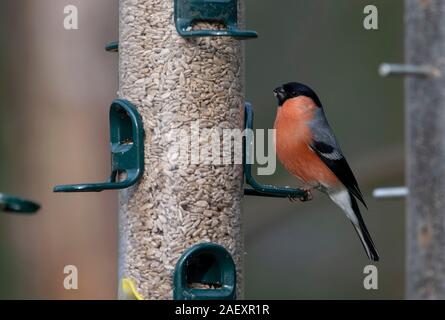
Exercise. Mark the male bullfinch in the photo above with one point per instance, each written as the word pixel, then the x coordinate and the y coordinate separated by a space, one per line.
pixel 308 149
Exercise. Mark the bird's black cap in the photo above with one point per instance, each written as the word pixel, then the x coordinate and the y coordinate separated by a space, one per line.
pixel 294 89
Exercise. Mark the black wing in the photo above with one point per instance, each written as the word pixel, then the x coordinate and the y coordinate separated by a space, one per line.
pixel 336 162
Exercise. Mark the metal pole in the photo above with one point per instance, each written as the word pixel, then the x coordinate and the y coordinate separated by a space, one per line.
pixel 177 83
pixel 425 174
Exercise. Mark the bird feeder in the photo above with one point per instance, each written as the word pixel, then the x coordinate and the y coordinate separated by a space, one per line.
pixel 182 75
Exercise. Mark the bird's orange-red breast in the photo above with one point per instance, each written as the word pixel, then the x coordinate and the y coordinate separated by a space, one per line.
pixel 293 138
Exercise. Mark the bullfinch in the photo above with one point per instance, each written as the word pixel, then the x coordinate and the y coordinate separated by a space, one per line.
pixel 308 149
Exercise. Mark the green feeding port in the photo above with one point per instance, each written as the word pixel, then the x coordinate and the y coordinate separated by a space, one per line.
pixel 112 46
pixel 259 189
pixel 205 272
pixel 189 12
pixel 127 150
pixel 12 204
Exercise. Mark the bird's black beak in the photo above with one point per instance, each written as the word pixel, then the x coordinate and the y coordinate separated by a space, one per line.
pixel 280 94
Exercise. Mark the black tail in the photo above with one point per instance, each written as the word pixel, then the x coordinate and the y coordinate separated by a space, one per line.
pixel 363 232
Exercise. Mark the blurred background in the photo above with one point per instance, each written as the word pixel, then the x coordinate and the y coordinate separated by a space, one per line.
pixel 56 88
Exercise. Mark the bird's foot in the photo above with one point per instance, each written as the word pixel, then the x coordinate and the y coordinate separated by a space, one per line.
pixel 306 197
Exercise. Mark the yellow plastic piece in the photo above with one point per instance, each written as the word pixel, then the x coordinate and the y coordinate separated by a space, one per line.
pixel 129 291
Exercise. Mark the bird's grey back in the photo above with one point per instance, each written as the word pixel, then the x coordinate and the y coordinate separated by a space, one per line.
pixel 323 133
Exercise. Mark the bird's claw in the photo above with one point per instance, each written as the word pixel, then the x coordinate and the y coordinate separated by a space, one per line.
pixel 306 197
